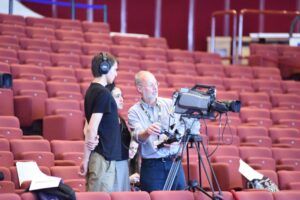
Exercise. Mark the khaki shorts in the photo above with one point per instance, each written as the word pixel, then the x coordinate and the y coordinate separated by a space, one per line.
pixel 101 174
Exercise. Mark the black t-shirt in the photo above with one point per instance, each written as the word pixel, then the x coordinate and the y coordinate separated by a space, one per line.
pixel 99 100
pixel 126 137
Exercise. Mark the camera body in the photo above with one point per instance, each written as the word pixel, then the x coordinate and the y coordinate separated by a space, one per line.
pixel 201 101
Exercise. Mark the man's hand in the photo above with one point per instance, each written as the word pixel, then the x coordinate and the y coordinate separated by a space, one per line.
pixel 154 129
pixel 92 143
pixel 83 168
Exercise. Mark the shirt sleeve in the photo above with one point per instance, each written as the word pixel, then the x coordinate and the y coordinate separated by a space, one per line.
pixel 134 124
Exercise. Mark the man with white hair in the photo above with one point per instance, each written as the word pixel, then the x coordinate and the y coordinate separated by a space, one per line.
pixel 147 119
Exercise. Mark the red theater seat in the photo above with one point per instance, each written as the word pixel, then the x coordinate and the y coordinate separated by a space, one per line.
pixel 97 27
pixel 175 195
pixel 126 41
pixel 93 49
pixel 46 23
pixel 258 157
pixel 156 67
pixel 12 30
pixel 67 47
pixel 130 195
pixel 34 57
pixel 8 56
pixel 7 106
pixel 155 42
pixel 180 55
pixel 40 33
pixel 68 150
pixel 35 44
pixel 70 176
pixel 12 19
pixel 154 54
pixel 9 42
pixel 257 195
pixel 286 195
pixel 66 24
pixel 67 35
pixel 64 120
pixel 28 71
pixel 98 38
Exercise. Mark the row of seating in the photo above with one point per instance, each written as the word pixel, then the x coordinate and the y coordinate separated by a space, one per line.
pixel 259 136
pixel 284 57
pixel 160 195
pixel 31 96
pixel 165 195
pixel 225 162
pixel 69 175
pixel 44 58
pixel 71 151
pixel 217 75
pixel 65 74
pixel 63 42
pixel 52 23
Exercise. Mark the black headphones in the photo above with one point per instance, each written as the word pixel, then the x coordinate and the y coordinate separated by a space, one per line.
pixel 105 65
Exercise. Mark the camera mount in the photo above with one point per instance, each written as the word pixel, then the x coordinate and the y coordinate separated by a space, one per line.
pixel 193 184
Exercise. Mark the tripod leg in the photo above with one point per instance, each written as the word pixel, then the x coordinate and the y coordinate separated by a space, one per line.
pixel 201 163
pixel 212 172
pixel 176 164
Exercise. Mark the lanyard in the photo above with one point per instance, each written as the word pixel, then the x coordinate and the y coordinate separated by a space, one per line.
pixel 148 115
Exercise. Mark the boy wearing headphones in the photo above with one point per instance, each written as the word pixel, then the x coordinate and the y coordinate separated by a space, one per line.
pixel 102 132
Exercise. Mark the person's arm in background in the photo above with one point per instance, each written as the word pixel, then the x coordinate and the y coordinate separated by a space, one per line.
pixel 91 140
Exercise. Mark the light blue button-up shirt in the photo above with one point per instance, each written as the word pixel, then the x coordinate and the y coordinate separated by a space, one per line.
pixel 142 115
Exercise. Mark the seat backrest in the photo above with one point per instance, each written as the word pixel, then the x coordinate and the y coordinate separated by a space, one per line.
pixel 223 150
pixel 4 144
pixel 174 195
pixel 246 152
pixel 9 121
pixel 130 195
pixel 286 195
pixel 285 153
pixel 28 196
pixel 201 196
pixel 287 178
pixel 53 87
pixel 247 113
pixel 22 84
pixel 66 172
pixel 257 195
pixel 98 27
pixel 10 196
pixel 6 158
pixel 92 196
pixel 244 131
pixel 12 19
pixel 53 104
pixel 20 146
pixel 279 132
pixel 64 146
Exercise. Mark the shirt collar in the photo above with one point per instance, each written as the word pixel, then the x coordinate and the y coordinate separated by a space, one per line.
pixel 147 106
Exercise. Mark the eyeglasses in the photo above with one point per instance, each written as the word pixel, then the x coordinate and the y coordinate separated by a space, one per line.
pixel 151 85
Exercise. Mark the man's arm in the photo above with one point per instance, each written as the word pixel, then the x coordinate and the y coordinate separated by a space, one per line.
pixel 139 133
pixel 91 139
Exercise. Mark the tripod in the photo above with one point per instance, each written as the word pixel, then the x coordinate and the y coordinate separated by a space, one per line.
pixel 193 185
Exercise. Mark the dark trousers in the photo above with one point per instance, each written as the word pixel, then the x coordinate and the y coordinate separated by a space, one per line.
pixel 154 173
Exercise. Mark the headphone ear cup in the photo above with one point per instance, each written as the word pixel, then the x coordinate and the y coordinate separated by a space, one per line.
pixel 104 65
